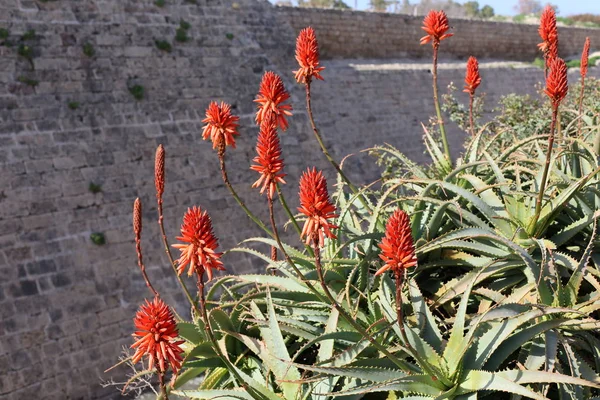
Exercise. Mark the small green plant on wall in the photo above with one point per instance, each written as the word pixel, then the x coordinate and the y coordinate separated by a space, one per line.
pixel 98 238
pixel 73 105
pixel 159 3
pixel 88 50
pixel 95 187
pixel 137 91
pixel 182 31
pixel 163 45
pixel 28 81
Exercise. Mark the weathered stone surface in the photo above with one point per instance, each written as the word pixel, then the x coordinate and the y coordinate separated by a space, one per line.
pixel 66 304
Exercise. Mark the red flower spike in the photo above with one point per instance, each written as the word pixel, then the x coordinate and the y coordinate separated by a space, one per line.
pixel 220 124
pixel 200 244
pixel 156 336
pixel 307 55
pixel 584 57
pixel 435 24
pixel 548 33
pixel 557 85
pixel 316 206
pixel 472 77
pixel 397 247
pixel 159 171
pixel 269 161
pixel 270 98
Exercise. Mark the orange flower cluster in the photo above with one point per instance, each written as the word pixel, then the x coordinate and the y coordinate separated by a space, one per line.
pixel 472 77
pixel 397 247
pixel 156 337
pixel 585 55
pixel 435 24
pixel 270 98
pixel 200 244
pixel 307 55
pixel 316 206
pixel 548 33
pixel 557 85
pixel 269 161
pixel 221 125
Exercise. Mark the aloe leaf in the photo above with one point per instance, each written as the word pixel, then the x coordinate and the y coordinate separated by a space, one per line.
pixel 276 281
pixel 425 320
pixel 571 230
pixel 517 340
pixel 476 380
pixel 439 159
pixel 232 394
pixel 326 346
pixel 415 168
pixel 456 344
pixel 528 376
pixel 415 384
pixel 371 374
pixel 190 332
pixel 509 318
pixel 276 346
pixel 572 287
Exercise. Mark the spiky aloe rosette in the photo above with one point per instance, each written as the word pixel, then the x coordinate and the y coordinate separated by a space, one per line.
pixel 470 278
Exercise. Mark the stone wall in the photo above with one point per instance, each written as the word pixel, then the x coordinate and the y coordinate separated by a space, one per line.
pixel 66 304
pixel 352 34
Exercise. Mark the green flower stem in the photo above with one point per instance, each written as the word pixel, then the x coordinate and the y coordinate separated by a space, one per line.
pixel 293 219
pixel 348 317
pixel 436 102
pixel 538 202
pixel 471 121
pixel 237 198
pixel 337 167
pixel 170 257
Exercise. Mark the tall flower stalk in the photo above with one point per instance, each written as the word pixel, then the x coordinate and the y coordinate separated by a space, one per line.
pixel 436 25
pixel 221 127
pixel 307 55
pixel 583 71
pixel 159 183
pixel 472 81
pixel 198 252
pixel 556 89
pixel 318 209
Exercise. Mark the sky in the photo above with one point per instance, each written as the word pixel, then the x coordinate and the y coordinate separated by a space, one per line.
pixel 505 7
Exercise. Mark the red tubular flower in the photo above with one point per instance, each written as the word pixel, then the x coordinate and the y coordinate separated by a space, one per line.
pixel 307 55
pixel 435 24
pixel 270 163
pixel 156 336
pixel 270 98
pixel 557 85
pixel 548 33
pixel 472 77
pixel 201 243
pixel 584 57
pixel 397 247
pixel 220 124
pixel 315 204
